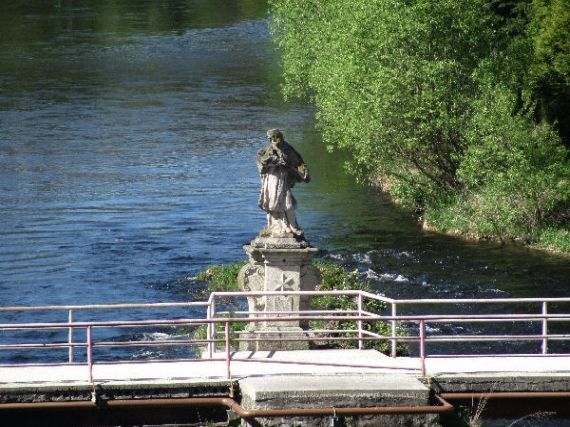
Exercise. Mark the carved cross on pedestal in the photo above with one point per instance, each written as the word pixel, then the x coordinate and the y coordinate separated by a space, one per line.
pixel 287 283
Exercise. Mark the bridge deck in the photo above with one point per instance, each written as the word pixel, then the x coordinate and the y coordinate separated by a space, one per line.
pixel 310 362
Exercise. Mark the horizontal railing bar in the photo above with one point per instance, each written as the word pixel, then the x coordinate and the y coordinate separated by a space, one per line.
pixel 182 322
pixel 377 297
pixel 352 292
pixel 307 331
pixel 470 338
pixel 40 345
pixel 478 300
pixel 391 300
pixel 113 324
pixel 482 355
pixel 153 343
pixel 373 334
pixel 111 344
pixel 301 293
pixel 450 338
pixel 309 339
pixel 219 313
pixel 367 313
pixel 488 319
pixel 195 342
pixel 41 364
pixel 104 306
pixel 105 362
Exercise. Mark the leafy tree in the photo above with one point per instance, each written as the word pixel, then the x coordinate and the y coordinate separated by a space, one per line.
pixel 514 171
pixel 549 74
pixel 391 80
pixel 453 104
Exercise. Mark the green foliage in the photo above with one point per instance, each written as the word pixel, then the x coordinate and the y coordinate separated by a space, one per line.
pixel 458 105
pixel 201 332
pixel 557 238
pixel 335 277
pixel 549 74
pixel 515 172
pixel 221 278
pixel 391 80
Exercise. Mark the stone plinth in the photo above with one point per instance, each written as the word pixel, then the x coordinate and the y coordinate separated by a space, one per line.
pixel 336 391
pixel 279 264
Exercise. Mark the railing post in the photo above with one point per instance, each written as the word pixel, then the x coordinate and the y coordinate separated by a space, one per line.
pixel 212 328
pixel 423 347
pixel 70 336
pixel 209 330
pixel 393 343
pixel 360 343
pixel 228 357
pixel 545 328
pixel 90 353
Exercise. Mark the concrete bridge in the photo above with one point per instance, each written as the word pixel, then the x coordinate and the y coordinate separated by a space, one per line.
pixel 97 382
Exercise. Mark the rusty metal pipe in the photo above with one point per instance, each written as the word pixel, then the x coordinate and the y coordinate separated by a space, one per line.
pixel 71 404
pixel 505 395
pixel 243 413
pixel 237 408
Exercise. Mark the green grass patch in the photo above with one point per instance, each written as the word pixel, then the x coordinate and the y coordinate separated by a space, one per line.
pixel 221 278
pixel 554 238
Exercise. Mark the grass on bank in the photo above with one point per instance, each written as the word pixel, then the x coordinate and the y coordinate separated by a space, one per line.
pixel 220 278
pixel 497 223
pixel 334 277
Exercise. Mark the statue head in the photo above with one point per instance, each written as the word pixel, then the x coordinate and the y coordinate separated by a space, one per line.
pixel 275 136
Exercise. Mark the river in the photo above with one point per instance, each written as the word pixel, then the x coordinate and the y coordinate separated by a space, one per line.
pixel 127 163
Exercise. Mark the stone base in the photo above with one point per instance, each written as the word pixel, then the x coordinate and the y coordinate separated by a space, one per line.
pixel 279 243
pixel 337 391
pixel 280 335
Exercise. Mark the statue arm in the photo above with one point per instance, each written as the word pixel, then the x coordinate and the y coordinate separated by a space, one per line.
pixel 296 167
pixel 268 157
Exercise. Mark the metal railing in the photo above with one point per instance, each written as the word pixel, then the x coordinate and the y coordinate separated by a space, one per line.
pixel 218 322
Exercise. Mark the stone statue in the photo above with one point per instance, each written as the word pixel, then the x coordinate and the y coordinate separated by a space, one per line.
pixel 280 168
pixel 279 257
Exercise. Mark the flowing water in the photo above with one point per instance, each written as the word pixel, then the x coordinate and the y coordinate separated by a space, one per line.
pixel 128 137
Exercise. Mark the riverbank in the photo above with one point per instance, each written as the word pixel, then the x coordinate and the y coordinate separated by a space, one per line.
pixel 552 240
pixel 549 239
pixel 559 247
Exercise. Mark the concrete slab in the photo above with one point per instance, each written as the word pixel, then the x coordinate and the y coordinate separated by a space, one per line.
pixel 344 388
pixel 335 391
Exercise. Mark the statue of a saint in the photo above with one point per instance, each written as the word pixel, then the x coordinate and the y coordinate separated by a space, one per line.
pixel 280 168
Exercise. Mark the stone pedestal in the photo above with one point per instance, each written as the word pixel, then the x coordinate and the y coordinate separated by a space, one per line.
pixel 278 264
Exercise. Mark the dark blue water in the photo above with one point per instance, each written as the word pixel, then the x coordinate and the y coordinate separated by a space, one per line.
pixel 127 146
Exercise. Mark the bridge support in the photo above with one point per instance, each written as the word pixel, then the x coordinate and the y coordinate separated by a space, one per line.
pixel 277 264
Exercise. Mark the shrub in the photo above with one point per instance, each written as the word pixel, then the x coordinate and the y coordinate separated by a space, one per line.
pixel 335 277
pixel 221 278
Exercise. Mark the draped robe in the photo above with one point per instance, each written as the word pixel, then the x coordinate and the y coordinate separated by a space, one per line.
pixel 280 168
